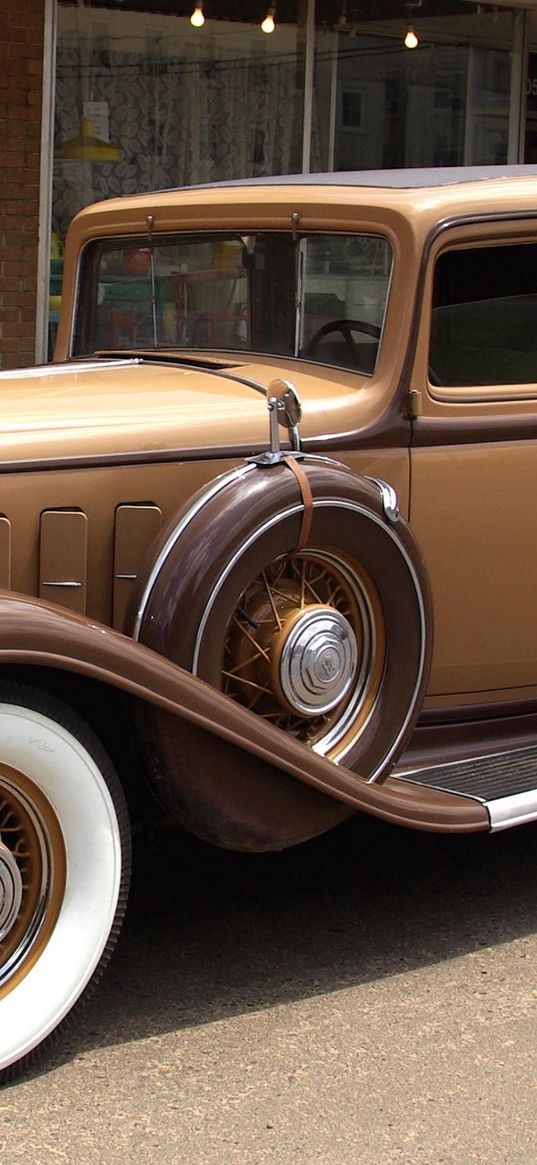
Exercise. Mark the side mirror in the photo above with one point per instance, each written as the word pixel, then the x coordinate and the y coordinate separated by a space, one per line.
pixel 286 410
pixel 288 406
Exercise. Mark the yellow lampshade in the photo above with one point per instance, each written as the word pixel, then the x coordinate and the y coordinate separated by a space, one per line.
pixel 87 147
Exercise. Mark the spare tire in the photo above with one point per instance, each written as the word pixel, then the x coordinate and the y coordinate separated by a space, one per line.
pixel 330 642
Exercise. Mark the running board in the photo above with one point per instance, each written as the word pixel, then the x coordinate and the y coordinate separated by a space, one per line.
pixel 504 782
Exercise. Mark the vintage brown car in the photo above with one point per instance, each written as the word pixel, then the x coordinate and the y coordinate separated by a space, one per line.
pixel 266 541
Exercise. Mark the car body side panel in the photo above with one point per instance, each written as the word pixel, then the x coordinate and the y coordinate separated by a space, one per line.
pixel 100 494
pixel 472 516
pixel 474 478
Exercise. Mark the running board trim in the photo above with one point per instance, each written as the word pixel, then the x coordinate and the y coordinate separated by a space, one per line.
pixel 507 812
pixel 504 783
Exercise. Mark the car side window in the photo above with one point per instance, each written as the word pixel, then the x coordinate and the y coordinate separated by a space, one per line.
pixel 484 316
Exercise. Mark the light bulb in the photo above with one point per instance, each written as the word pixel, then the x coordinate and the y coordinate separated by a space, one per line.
pixel 268 23
pixel 411 41
pixel 197 18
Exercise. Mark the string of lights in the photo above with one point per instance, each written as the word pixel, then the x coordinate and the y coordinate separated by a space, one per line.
pixel 268 25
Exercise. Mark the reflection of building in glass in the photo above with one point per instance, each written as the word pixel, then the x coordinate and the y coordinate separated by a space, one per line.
pixel 133 98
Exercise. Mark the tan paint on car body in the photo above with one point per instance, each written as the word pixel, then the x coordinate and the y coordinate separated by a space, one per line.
pixel 470 509
pixel 104 407
pixel 142 431
pixel 467 657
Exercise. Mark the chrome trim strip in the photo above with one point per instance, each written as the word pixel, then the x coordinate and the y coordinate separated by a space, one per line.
pixel 60 583
pixel 210 491
pixel 390 501
pixel 506 812
pixel 66 368
pixel 144 457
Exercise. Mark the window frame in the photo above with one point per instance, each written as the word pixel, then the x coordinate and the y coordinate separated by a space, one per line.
pixel 493 234
pixel 86 314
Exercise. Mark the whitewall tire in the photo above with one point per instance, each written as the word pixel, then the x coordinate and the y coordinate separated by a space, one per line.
pixel 64 868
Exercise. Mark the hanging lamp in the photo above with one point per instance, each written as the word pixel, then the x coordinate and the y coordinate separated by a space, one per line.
pixel 411 39
pixel 197 18
pixel 268 24
pixel 85 146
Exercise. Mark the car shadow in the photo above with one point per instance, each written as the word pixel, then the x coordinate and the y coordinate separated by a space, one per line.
pixel 211 934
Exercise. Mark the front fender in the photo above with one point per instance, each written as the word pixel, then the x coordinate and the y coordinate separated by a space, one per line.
pixel 36 633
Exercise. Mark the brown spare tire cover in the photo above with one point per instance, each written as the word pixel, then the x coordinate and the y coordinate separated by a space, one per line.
pixel 330 642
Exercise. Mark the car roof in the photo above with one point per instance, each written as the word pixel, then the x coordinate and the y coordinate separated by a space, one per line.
pixel 413 178
pixel 419 197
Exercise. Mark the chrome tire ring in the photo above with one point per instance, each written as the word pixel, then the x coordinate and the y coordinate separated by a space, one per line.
pixel 32 870
pixel 11 890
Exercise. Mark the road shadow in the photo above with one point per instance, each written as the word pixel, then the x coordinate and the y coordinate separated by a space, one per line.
pixel 211 934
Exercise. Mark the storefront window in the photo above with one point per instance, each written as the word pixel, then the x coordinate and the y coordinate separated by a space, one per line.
pixel 176 105
pixel 446 103
pixel 144 101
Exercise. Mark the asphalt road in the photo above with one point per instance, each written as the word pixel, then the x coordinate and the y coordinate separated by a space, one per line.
pixel 367 998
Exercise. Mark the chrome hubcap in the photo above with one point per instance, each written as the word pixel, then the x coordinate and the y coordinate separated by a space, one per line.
pixel 317 660
pixel 10 891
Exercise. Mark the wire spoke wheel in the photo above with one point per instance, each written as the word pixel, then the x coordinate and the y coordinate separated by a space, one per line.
pixel 305 646
pixel 32 875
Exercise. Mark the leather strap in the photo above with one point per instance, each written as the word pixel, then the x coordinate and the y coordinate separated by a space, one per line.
pixel 307 501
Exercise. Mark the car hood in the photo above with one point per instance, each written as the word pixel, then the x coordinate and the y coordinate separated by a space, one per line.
pixel 124 406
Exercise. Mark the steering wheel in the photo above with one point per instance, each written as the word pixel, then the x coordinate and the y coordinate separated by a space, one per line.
pixel 345 328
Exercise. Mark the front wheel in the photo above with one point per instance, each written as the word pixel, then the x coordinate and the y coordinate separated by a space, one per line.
pixel 64 868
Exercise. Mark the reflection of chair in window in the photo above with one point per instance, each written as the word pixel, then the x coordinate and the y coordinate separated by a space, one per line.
pixel 179 300
pixel 122 325
pixel 207 303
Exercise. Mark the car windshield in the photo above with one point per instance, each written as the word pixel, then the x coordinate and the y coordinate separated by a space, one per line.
pixel 321 297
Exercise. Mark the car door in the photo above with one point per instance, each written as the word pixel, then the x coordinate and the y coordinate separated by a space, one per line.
pixel 474 457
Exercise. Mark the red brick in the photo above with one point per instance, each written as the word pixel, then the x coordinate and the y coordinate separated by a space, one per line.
pixel 10 284
pixel 14 207
pixel 19 238
pixel 14 299
pixel 14 331
pixel 25 20
pixel 10 345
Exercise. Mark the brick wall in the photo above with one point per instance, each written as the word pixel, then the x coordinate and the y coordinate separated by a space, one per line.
pixel 21 71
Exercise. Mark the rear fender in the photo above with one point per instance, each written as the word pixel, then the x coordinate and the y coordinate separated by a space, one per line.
pixel 35 633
